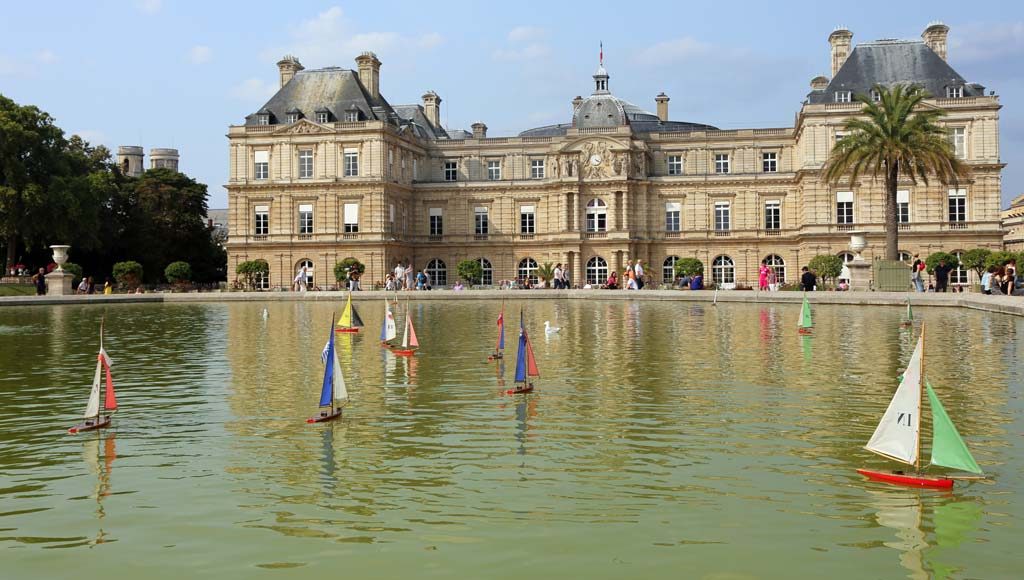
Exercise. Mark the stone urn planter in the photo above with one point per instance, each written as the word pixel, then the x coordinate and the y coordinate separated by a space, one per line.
pixel 858 241
pixel 58 282
pixel 60 256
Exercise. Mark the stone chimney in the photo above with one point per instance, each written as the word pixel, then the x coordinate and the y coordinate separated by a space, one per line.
pixel 819 83
pixel 432 108
pixel 369 73
pixel 288 66
pixel 576 103
pixel 840 40
pixel 662 101
pixel 479 130
pixel 935 37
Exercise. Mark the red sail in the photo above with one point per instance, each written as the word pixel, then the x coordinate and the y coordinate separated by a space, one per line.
pixel 109 401
pixel 531 363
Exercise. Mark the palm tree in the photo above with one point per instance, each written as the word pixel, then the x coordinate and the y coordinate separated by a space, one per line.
pixel 899 137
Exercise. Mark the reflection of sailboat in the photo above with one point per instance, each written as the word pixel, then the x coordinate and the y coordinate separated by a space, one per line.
pixel 898 435
pixel 93 420
pixel 409 341
pixel 902 512
pixel 102 470
pixel 526 365
pixel 349 321
pixel 333 393
pixel 388 331
pixel 909 320
pixel 499 348
pixel 805 346
pixel 806 324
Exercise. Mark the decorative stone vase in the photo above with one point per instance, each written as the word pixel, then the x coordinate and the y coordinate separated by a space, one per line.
pixel 858 242
pixel 60 255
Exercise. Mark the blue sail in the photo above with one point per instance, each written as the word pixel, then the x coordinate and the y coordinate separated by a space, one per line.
pixel 521 355
pixel 328 389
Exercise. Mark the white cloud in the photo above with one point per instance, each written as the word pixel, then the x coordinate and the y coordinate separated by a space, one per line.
pixel 984 42
pixel 199 54
pixel 525 33
pixel 673 51
pixel 524 43
pixel 150 6
pixel 528 52
pixel 253 90
pixel 46 56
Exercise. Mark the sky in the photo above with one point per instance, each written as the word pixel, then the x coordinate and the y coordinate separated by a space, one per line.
pixel 167 73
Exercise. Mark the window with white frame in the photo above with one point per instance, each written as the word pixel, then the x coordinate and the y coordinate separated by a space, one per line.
pixel 536 169
pixel 261 220
pixel 675 164
pixel 875 96
pixel 481 224
pixel 451 170
pixel 596 271
pixel 321 117
pixel 487 276
pixel 263 119
pixel 846 257
pixel 843 96
pixel 673 213
pixel 844 207
pixel 769 162
pixel 352 116
pixel 494 170
pixel 527 219
pixel 955 92
pixel 305 163
pixel 391 216
pixel 391 162
pixel 723 221
pixel 308 265
pixel 527 270
pixel 776 263
pixel 721 163
pixel 293 117
pixel 597 215
pixel 415 169
pixel 261 167
pixel 772 214
pixel 305 218
pixel 723 271
pixel 668 269
pixel 958 205
pixel 351 216
pixel 839 136
pixel 903 207
pixel 350 163
pixel 436 222
pixel 958 139
pixel 905 257
pixel 958 275
pixel 437 272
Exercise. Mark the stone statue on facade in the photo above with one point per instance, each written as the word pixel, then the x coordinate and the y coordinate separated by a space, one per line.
pixel 555 168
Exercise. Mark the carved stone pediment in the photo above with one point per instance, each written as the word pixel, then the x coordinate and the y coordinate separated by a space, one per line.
pixel 302 127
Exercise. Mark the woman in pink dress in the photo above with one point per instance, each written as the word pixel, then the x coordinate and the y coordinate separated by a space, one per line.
pixel 762 276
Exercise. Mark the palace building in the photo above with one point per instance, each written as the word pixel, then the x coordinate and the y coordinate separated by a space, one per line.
pixel 329 169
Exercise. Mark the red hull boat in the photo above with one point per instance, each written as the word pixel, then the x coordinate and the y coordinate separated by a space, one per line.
pixel 403 352
pixel 907 479
pixel 325 416
pixel 352 329
pixel 91 425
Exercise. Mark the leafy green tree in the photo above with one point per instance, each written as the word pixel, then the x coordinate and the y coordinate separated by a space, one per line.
pixel 898 138
pixel 975 260
pixel 75 270
pixel 128 274
pixel 689 267
pixel 178 272
pixel 998 259
pixel 934 258
pixel 470 270
pixel 546 272
pixel 342 268
pixel 826 266
pixel 252 270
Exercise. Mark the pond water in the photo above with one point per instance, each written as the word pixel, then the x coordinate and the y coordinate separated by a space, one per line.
pixel 663 440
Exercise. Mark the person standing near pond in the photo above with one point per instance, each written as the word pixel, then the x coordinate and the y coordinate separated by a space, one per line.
pixel 639 269
pixel 916 270
pixel 942 276
pixel 108 287
pixel 808 281
pixel 762 276
pixel 1010 276
pixel 40 281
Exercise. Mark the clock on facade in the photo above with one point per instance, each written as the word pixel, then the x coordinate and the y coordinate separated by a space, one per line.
pixel 595 159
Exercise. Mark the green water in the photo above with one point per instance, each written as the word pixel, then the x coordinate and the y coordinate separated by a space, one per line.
pixel 663 441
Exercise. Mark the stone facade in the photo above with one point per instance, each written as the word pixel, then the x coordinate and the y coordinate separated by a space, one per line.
pixel 1013 225
pixel 358 177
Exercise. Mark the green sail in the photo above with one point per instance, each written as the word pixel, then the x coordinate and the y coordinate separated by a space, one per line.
pixel 948 449
pixel 910 312
pixel 805 315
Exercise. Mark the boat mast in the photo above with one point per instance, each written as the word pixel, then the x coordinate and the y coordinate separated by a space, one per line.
pixel 920 388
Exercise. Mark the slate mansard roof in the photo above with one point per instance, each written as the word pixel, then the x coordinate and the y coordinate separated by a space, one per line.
pixel 890 62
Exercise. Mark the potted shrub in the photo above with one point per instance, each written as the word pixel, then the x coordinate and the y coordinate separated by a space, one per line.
pixel 128 275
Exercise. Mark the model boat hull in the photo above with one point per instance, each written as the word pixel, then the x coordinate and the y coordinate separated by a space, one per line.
pixel 325 416
pixel 521 390
pixel 496 356
pixel 906 479
pixel 91 425
pixel 403 352
pixel 347 329
pixel 805 331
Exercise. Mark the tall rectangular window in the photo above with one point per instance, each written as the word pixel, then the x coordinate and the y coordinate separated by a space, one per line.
pixel 536 169
pixel 261 170
pixel 843 96
pixel 262 220
pixel 958 139
pixel 391 162
pixel 451 170
pixel 481 225
pixel 351 218
pixel 527 219
pixel 844 207
pixel 675 164
pixel 321 117
pixel 903 207
pixel 956 92
pixel 673 211
pixel 306 218
pixel 350 166
pixel 772 215
pixel 415 169
pixel 391 216
pixel 769 162
pixel 436 222
pixel 721 163
pixel 305 163
pixel 723 220
pixel 958 205
pixel 494 170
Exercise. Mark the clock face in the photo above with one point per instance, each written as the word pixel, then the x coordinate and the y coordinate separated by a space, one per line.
pixel 595 159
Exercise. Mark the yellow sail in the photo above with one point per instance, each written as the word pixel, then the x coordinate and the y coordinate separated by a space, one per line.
pixel 346 315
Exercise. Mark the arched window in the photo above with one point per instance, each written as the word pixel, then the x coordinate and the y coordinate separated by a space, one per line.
pixel 488 273
pixel 597 215
pixel 668 269
pixel 527 270
pixel 958 275
pixel 124 167
pixel 597 271
pixel 438 272
pixel 847 257
pixel 905 257
pixel 723 271
pixel 262 281
pixel 775 262
pixel 309 271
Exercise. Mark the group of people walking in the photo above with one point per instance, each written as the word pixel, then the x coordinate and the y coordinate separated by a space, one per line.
pixel 405 277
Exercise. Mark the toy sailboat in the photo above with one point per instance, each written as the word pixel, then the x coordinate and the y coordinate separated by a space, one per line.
pixel 349 321
pixel 898 435
pixel 805 325
pixel 499 348
pixel 388 332
pixel 526 365
pixel 409 341
pixel 909 321
pixel 333 394
pixel 93 417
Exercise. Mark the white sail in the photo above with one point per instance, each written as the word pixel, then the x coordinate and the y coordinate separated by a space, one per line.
pixel 405 335
pixel 390 332
pixel 93 408
pixel 898 434
pixel 340 392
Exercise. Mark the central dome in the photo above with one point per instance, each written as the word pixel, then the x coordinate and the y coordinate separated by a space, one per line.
pixel 607 110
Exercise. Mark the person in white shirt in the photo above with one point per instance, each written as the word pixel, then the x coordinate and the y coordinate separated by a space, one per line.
pixel 299 283
pixel 399 276
pixel 559 281
pixel 639 270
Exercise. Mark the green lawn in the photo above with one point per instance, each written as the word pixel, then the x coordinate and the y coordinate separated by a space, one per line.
pixel 17 290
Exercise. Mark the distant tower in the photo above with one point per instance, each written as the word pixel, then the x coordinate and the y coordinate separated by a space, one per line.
pixel 288 66
pixel 163 158
pixel 840 41
pixel 129 159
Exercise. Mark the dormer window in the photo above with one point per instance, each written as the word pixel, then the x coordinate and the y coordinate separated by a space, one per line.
pixel 292 117
pixel 955 92
pixel 352 116
pixel 843 96
pixel 321 117
pixel 263 119
pixel 876 97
